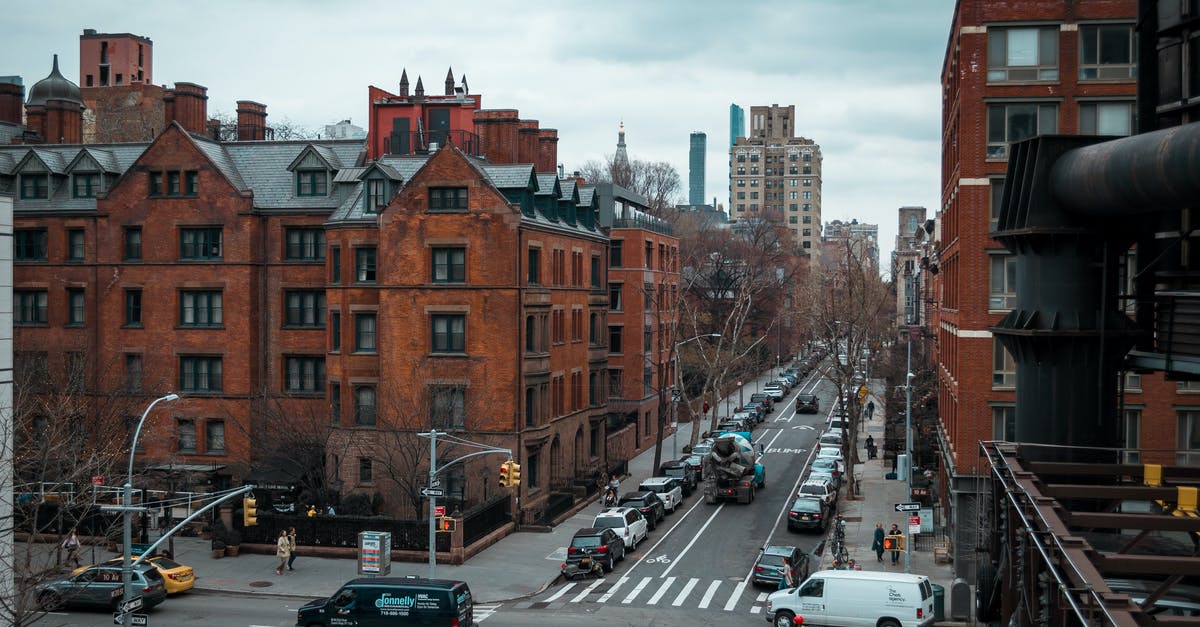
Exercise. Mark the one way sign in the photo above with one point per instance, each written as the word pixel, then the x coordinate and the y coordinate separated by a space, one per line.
pixel 908 507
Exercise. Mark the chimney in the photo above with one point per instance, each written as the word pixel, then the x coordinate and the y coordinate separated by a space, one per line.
pixel 547 152
pixel 187 104
pixel 497 130
pixel 12 99
pixel 252 120
pixel 527 141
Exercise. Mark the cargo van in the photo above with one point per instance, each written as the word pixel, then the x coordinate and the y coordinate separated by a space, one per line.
pixel 854 598
pixel 380 601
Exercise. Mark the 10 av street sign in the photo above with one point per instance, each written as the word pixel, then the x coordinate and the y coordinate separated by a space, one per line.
pixel 908 507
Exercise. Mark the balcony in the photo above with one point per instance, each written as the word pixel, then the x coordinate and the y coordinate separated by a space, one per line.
pixel 424 142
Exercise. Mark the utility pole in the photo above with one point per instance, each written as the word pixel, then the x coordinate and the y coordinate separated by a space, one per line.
pixel 908 443
pixel 433 434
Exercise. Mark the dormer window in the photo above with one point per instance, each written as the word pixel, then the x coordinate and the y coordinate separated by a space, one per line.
pixel 447 199
pixel 85 184
pixel 376 195
pixel 35 186
pixel 312 183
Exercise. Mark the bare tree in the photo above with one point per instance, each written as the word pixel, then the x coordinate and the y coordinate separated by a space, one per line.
pixel 226 129
pixel 657 181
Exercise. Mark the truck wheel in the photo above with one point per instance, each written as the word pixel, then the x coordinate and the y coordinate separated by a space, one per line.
pixel 889 623
pixel 783 618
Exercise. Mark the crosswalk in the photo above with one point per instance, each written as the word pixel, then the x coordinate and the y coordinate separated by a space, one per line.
pixel 716 594
pixel 480 612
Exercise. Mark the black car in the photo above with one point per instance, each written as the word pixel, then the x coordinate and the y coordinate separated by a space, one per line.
pixel 688 475
pixel 602 545
pixel 807 404
pixel 647 503
pixel 809 513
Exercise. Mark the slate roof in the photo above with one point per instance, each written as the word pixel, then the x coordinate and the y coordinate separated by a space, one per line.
pixel 510 176
pixel 348 175
pixel 216 153
pixel 546 184
pixel 115 158
pixel 263 166
pixel 7 163
pixel 103 158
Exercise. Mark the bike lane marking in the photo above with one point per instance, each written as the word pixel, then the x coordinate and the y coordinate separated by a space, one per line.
pixel 699 533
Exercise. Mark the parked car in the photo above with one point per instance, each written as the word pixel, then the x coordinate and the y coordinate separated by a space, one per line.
pixel 758 409
pixel 807 404
pixel 627 522
pixel 838 425
pixel 768 568
pixel 101 586
pixel 775 391
pixel 667 489
pixel 739 422
pixel 855 598
pixel 830 439
pixel 830 466
pixel 695 462
pixel 765 399
pixel 834 454
pixel 809 513
pixel 599 543
pixel 819 489
pixel 176 577
pixel 687 475
pixel 647 503
pixel 784 383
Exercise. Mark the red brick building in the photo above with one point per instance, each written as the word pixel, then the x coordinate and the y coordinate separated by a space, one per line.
pixel 1012 70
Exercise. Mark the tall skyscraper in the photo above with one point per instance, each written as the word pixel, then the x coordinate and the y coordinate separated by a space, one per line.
pixel 776 176
pixel 696 168
pixel 737 123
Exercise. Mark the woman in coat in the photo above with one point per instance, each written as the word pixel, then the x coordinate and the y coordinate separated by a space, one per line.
pixel 283 550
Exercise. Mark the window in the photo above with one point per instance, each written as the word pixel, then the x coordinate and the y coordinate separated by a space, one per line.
pixel 133 372
pixel 531 470
pixel 1107 51
pixel 173 183
pixel 335 322
pixel 1023 54
pixel 305 375
pixel 200 308
pixel 29 307
pixel 449 333
pixel 200 243
pixel 447 199
pixel 1133 382
pixel 364 264
pixel 75 307
pixel 35 186
pixel 614 253
pixel 364 332
pixel 614 339
pixel 1106 118
pixel 133 243
pixel 200 374
pixel 1131 426
pixel 191 182
pixel 335 269
pixel 1004 369
pixel 304 244
pixel 364 470
pixel 1002 291
pixel 450 265
pixel 447 406
pixel 155 179
pixel 534 266
pixel 29 244
pixel 1188 438
pixel 997 199
pixel 76 372
pixel 133 308
pixel 1008 123
pixel 614 296
pixel 597 275
pixel 376 195
pixel 647 338
pixel 335 403
pixel 75 245
pixel 305 308
pixel 312 183
pixel 85 184
pixel 214 436
pixel 364 406
pixel 1004 422
pixel 185 431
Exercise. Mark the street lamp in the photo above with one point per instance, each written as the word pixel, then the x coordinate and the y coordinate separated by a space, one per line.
pixel 908 445
pixel 127 510
pixel 678 391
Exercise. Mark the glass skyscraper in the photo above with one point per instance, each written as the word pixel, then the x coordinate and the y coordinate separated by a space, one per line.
pixel 737 123
pixel 696 168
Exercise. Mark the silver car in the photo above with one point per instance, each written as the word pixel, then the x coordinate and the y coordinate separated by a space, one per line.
pixel 101 587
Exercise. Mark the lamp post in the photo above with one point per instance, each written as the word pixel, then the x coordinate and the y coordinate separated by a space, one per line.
pixel 127 534
pixel 908 444
pixel 679 390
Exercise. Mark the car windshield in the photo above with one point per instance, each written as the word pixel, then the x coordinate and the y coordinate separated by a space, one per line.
pixel 609 522
pixel 813 488
pixel 806 505
pixel 165 563
pixel 824 463
pixel 152 574
pixel 770 560
pixel 673 472
pixel 659 488
pixel 585 542
pixel 639 501
pixel 702 448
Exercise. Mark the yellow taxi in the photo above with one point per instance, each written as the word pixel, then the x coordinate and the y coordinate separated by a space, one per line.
pixel 176 577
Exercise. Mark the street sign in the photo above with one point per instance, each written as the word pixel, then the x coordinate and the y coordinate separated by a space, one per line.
pixel 97 479
pixel 914 525
pixel 676 395
pixel 440 510
pixel 436 483
pixel 908 507
pixel 136 619
pixel 433 492
pixel 128 606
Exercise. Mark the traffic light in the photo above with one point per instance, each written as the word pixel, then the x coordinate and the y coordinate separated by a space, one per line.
pixel 893 542
pixel 505 477
pixel 514 474
pixel 249 511
pixel 445 524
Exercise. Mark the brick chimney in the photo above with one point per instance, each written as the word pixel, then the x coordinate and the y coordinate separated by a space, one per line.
pixel 547 153
pixel 252 120
pixel 497 130
pixel 187 104
pixel 12 99
pixel 527 141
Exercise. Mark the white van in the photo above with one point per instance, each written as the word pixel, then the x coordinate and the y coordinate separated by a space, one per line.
pixel 853 598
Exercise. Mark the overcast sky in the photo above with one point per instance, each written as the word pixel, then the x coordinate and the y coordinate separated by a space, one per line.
pixel 863 74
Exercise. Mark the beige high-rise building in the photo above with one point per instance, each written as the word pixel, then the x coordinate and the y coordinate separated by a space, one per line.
pixel 776 176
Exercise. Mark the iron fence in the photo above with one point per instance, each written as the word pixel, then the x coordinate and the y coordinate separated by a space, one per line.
pixel 484 519
pixel 342 531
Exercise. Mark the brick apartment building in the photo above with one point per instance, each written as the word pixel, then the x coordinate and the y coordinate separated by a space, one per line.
pixel 1011 71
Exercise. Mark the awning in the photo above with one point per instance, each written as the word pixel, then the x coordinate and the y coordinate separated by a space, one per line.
pixel 202 468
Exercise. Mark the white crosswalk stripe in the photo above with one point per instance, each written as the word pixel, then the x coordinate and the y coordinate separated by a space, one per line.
pixel 588 590
pixel 481 613
pixel 708 594
pixel 681 591
pixel 636 591
pixel 687 589
pixel 666 585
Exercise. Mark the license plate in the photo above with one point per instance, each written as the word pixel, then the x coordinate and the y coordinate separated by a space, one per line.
pixel 804 518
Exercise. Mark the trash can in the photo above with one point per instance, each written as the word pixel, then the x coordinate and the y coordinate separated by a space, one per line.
pixel 939 603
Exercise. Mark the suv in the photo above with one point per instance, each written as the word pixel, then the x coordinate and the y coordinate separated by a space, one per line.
pixel 667 489
pixel 685 473
pixel 807 404
pixel 101 586
pixel 626 522
pixel 775 391
pixel 768 568
pixel 819 488
pixel 602 545
pixel 647 503
pixel 765 399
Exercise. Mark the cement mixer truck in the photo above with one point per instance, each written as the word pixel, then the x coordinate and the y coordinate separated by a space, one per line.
pixel 733 469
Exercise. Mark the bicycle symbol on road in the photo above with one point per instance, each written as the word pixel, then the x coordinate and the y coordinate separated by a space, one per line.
pixel 661 559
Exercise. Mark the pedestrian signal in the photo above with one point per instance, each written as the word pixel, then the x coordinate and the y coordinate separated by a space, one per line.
pixel 445 524
pixel 893 543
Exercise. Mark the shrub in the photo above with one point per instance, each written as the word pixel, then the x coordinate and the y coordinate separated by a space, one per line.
pixel 356 505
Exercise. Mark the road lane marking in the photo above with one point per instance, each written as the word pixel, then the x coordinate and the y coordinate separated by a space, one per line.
pixel 588 590
pixel 737 595
pixel 699 533
pixel 636 590
pixel 687 589
pixel 661 591
pixel 756 609
pixel 612 590
pixel 708 594
pixel 561 591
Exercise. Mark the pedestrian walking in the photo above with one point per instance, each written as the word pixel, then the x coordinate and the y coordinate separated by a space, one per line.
pixel 71 544
pixel 877 543
pixel 870 447
pixel 291 547
pixel 283 550
pixel 895 531
pixel 787 578
pixel 870 410
pixel 312 511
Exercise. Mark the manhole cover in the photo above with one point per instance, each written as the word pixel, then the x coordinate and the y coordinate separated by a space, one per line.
pixel 261 584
